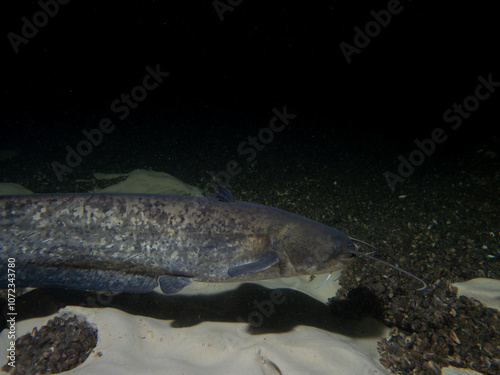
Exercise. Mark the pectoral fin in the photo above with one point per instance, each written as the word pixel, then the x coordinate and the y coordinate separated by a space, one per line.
pixel 172 284
pixel 266 260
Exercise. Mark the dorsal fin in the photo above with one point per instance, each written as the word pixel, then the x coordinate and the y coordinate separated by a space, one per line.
pixel 223 194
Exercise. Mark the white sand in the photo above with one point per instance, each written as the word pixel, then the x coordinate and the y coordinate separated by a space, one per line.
pixel 138 345
pixel 487 291
pixel 8 188
pixel 300 283
pixel 133 345
pixel 144 181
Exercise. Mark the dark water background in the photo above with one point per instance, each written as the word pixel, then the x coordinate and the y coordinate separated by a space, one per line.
pixel 355 121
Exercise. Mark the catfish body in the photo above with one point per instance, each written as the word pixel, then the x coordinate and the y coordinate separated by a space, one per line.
pixel 133 242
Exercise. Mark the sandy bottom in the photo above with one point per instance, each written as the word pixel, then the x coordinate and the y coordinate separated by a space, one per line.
pixel 485 290
pixel 129 344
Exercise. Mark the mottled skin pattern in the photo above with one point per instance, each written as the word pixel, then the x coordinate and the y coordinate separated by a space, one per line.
pixel 99 241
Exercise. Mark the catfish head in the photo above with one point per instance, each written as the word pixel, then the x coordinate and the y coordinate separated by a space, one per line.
pixel 313 248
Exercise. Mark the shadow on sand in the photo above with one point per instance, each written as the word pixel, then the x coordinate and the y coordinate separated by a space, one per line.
pixel 264 310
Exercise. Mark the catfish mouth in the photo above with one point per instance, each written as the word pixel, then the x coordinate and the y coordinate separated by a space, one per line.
pixel 341 255
pixel 350 254
pixel 348 258
pixel 344 260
